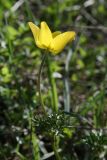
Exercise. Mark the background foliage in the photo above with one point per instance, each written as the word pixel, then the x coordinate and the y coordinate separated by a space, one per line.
pixel 82 131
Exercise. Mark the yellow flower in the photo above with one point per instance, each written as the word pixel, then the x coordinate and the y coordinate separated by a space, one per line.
pixel 53 42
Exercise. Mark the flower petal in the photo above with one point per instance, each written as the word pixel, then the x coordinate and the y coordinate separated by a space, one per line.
pixel 54 34
pixel 60 41
pixel 35 30
pixel 45 36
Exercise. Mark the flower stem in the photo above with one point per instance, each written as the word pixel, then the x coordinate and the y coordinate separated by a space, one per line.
pixel 55 147
pixel 34 139
pixel 53 86
pixel 55 142
pixel 39 82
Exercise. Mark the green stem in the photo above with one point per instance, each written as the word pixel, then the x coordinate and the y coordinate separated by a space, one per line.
pixel 55 147
pixel 54 105
pixel 53 86
pixel 34 138
pixel 39 82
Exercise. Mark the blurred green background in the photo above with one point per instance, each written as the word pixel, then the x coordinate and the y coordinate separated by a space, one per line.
pixel 19 65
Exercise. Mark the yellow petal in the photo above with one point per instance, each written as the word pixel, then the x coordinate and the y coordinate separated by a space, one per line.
pixel 35 30
pixel 60 41
pixel 45 36
pixel 54 34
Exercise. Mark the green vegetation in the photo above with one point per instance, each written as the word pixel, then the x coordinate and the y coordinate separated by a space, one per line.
pixel 73 83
